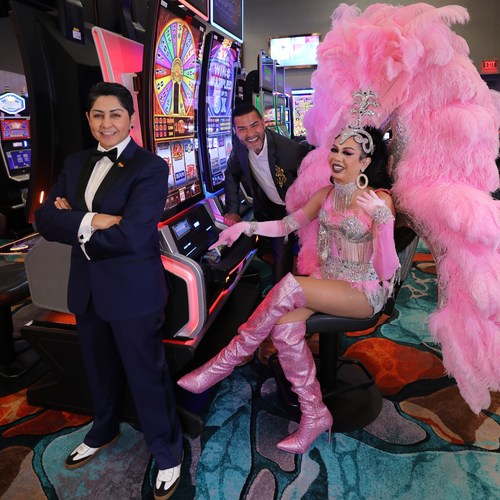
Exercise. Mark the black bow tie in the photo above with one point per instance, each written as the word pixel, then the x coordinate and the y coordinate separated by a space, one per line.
pixel 97 155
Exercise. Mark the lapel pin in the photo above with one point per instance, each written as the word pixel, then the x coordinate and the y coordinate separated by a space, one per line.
pixel 280 175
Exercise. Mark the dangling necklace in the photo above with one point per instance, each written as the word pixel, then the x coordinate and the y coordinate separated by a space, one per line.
pixel 342 196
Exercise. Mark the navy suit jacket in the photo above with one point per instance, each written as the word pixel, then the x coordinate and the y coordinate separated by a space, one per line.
pixel 284 155
pixel 124 275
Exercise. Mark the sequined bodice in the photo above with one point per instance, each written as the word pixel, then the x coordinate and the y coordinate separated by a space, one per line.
pixel 345 244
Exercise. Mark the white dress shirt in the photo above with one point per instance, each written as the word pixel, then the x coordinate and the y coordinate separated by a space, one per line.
pixel 259 165
pixel 99 172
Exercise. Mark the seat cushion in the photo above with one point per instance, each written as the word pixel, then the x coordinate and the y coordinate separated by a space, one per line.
pixel 325 323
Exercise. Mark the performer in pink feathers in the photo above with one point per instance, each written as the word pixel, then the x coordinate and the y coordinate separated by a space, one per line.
pixel 445 140
pixel 358 260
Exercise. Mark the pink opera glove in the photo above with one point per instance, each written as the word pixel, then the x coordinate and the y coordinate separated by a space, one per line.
pixel 229 235
pixel 273 228
pixel 385 257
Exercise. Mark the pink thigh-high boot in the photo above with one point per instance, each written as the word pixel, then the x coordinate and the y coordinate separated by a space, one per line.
pixel 285 296
pixel 297 363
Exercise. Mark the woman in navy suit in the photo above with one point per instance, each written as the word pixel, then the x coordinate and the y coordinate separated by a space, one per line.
pixel 106 204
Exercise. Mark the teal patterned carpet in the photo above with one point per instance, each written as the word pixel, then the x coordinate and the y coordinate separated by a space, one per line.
pixel 425 444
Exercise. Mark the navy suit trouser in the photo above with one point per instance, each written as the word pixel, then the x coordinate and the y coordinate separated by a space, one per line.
pixel 132 347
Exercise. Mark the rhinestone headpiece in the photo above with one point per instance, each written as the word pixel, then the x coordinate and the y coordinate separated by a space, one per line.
pixel 363 99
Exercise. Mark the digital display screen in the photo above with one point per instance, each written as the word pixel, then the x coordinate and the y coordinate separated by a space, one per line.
pixel 268 109
pixel 279 85
pixel 302 100
pixel 281 110
pixel 295 51
pixel 227 15
pixel 199 7
pixel 222 58
pixel 181 228
pixel 15 129
pixel 266 72
pixel 176 76
pixel 18 159
pixel 194 231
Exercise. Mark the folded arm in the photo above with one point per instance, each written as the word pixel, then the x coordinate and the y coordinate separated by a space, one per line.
pixel 55 219
pixel 131 233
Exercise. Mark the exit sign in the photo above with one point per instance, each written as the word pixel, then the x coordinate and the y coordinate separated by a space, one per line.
pixel 489 66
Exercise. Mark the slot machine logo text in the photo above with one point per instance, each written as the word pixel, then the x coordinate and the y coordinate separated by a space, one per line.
pixel 12 103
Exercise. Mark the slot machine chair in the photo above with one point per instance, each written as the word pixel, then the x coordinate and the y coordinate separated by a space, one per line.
pixel 13 289
pixel 348 388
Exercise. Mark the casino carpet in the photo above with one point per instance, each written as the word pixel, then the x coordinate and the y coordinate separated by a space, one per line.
pixel 425 444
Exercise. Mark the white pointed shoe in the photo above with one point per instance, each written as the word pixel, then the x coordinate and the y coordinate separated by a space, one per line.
pixel 166 483
pixel 83 454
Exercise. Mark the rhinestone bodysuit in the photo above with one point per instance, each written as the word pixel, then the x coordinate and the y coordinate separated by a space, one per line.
pixel 345 251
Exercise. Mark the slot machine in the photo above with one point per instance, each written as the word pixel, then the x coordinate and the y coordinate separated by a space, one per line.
pixel 302 100
pixel 120 59
pixel 200 280
pixel 15 156
pixel 263 97
pixel 16 147
pixel 266 102
pixel 281 102
pixel 216 101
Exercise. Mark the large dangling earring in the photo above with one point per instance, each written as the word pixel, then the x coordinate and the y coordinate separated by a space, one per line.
pixel 361 181
pixel 332 180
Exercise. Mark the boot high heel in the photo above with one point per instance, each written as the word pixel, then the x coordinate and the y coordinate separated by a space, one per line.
pixel 309 429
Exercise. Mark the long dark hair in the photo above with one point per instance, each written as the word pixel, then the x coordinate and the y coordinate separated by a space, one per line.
pixel 376 172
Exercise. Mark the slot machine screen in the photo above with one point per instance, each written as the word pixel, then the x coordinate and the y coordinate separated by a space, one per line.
pixel 192 231
pixel 15 129
pixel 16 146
pixel 199 7
pixel 279 84
pixel 302 100
pixel 266 70
pixel 297 51
pixel 268 109
pixel 18 162
pixel 228 17
pixel 220 59
pixel 172 65
pixel 281 110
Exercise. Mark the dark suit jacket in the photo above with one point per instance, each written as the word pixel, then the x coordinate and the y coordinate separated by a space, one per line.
pixel 284 156
pixel 124 275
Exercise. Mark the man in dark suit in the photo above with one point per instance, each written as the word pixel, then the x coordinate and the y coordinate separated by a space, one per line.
pixel 268 163
pixel 106 205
